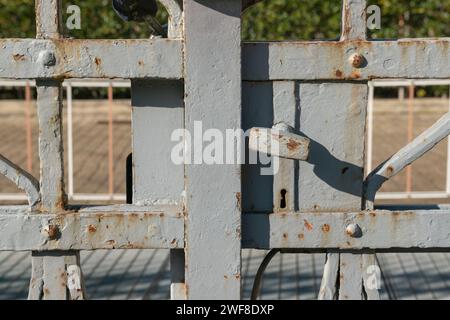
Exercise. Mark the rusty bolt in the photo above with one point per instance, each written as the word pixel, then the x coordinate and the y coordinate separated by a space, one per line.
pixel 52 231
pixel 47 58
pixel 358 60
pixel 353 230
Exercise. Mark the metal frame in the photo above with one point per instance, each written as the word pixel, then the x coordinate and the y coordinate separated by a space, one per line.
pixel 205 209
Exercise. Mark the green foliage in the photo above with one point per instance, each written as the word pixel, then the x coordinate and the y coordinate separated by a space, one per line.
pixel 270 20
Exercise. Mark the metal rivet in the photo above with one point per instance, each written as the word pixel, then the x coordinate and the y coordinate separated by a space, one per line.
pixel 52 231
pixel 47 58
pixel 353 230
pixel 358 61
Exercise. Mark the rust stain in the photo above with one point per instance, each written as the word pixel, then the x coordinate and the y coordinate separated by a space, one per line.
pixel 301 236
pixel 308 225
pixel 326 228
pixel 141 63
pixel 358 61
pixel 98 61
pixel 19 57
pixel 355 75
pixel 110 242
pixel 285 236
pixel 92 228
pixel 293 145
pixel 239 201
pixel 53 231
pixel 390 170
pixel 339 74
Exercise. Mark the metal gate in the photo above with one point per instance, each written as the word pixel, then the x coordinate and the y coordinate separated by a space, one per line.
pixel 313 94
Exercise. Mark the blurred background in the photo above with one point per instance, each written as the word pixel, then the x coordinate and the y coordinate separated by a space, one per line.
pixel 97 124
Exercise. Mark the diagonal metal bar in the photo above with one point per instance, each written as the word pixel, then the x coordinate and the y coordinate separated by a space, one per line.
pixel 407 155
pixel 22 179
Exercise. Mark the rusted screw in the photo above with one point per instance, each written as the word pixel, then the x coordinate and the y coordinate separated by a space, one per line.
pixel 52 231
pixel 353 230
pixel 357 60
pixel 47 58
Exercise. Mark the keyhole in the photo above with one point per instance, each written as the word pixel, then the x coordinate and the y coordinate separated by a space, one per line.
pixel 283 199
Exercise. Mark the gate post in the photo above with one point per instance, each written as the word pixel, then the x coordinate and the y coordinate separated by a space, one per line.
pixel 49 279
pixel 213 192
pixel 344 275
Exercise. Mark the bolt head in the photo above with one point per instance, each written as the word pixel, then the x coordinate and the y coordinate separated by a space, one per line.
pixel 358 60
pixel 47 58
pixel 353 230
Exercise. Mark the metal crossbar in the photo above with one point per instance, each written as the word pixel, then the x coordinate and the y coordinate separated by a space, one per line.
pixel 318 199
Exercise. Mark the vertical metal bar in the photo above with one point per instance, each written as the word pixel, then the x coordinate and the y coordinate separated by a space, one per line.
pixel 448 157
pixel 369 152
pixel 50 267
pixel 213 99
pixel 354 21
pixel 371 277
pixel 350 279
pixel 110 142
pixel 70 139
pixel 51 145
pixel 48 19
pixel 351 282
pixel 410 135
pixel 328 290
pixel 285 111
pixel 29 140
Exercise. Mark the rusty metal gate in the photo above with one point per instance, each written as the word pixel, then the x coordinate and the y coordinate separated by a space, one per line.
pixel 313 94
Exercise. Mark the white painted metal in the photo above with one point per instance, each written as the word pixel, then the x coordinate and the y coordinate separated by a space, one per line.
pixel 369 152
pixel 330 277
pixel 22 179
pixel 213 95
pixel 380 229
pixel 413 151
pixel 350 276
pixel 157 111
pixel 206 201
pixel 70 140
pixel 447 184
pixel 140 59
pixel 402 59
pixel 92 228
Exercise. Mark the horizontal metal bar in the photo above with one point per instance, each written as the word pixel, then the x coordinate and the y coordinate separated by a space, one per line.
pixel 112 227
pixel 75 197
pixel 75 83
pixel 74 58
pixel 407 83
pixel 380 229
pixel 412 195
pixel 332 60
pixel 126 83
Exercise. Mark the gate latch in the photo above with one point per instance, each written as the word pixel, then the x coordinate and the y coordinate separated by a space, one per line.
pixel 280 141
